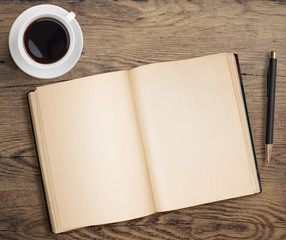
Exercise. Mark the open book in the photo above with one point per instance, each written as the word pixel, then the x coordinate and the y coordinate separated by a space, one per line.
pixel 126 144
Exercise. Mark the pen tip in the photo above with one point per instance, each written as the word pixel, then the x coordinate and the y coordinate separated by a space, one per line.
pixel 268 150
pixel 273 54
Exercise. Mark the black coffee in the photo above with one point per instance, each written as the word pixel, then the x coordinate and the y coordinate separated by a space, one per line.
pixel 46 40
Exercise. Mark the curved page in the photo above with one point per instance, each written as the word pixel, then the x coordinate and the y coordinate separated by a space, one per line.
pixel 94 151
pixel 192 131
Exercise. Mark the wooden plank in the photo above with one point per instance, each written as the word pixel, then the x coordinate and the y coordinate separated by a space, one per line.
pixel 197 229
pixel 157 31
pixel 188 224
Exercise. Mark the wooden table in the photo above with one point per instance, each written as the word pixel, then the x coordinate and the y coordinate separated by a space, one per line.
pixel 124 34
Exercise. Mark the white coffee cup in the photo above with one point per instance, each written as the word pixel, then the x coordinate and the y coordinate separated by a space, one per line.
pixel 22 58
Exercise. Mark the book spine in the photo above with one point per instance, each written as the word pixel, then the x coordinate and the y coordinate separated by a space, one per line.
pixel 37 155
pixel 248 121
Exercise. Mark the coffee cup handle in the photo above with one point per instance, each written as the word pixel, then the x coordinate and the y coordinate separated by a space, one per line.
pixel 70 16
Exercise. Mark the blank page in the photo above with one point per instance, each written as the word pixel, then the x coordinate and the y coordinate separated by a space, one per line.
pixel 93 161
pixel 192 132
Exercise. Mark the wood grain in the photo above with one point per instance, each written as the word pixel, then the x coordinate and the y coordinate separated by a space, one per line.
pixel 124 34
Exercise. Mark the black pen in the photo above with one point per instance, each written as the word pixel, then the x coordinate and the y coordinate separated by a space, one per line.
pixel 271 82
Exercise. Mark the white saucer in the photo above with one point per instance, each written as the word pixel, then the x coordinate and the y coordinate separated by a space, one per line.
pixel 35 69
